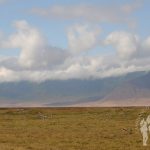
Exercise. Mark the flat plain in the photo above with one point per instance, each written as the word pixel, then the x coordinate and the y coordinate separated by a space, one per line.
pixel 71 128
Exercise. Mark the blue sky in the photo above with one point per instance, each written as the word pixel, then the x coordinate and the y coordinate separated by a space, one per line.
pixel 86 32
pixel 55 30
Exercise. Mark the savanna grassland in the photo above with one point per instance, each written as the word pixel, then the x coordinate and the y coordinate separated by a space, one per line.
pixel 71 128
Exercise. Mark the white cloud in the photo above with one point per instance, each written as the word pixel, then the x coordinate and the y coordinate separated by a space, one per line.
pixel 82 37
pixel 125 43
pixel 129 8
pixel 146 44
pixel 79 68
pixel 39 62
pixel 128 46
pixel 35 51
pixel 112 13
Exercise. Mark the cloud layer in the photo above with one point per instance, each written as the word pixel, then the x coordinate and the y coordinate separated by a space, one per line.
pixel 110 13
pixel 38 61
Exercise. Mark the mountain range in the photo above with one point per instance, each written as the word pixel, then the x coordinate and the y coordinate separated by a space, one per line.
pixel 132 89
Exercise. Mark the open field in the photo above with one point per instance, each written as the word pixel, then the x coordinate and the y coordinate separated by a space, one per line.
pixel 71 129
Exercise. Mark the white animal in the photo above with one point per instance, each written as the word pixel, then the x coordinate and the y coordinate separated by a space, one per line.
pixel 144 131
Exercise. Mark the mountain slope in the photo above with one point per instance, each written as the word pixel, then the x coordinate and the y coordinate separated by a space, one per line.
pixel 57 92
pixel 134 92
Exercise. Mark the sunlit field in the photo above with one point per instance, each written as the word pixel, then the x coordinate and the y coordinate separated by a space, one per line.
pixel 71 129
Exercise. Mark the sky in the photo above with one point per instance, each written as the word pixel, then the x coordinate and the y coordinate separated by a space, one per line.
pixel 73 39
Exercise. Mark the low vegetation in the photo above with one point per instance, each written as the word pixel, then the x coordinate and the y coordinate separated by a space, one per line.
pixel 71 129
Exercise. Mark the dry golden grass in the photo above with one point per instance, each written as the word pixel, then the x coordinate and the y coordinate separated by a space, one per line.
pixel 71 129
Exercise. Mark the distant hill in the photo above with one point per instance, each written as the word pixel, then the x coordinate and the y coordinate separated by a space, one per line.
pixel 76 92
pixel 133 92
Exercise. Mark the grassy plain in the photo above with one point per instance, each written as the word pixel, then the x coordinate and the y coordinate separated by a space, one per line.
pixel 71 128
